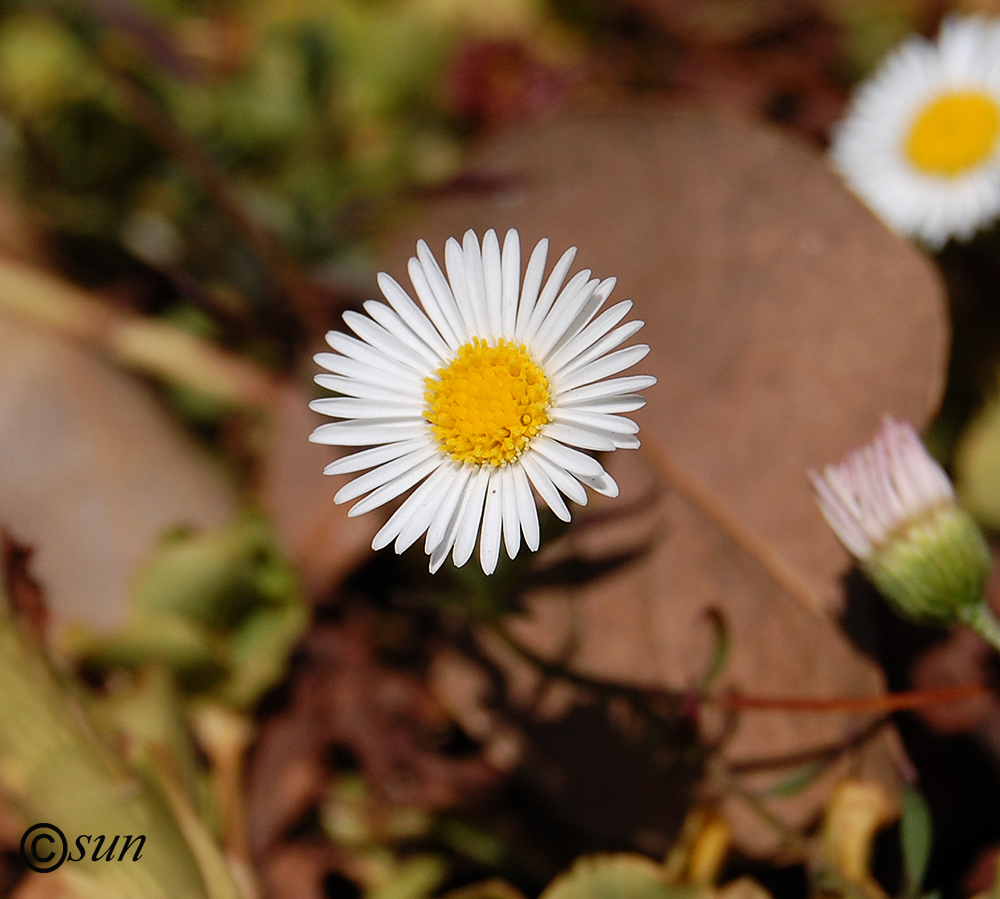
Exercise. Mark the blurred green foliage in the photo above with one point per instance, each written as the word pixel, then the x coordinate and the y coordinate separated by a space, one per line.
pixel 221 611
pixel 308 109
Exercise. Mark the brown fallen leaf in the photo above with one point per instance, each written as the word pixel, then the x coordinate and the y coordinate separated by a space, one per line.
pixel 784 321
pixel 319 538
pixel 94 473
pixel 722 21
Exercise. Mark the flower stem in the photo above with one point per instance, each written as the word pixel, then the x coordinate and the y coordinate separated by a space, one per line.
pixel 982 620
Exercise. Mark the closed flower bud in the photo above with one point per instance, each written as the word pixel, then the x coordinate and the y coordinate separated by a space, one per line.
pixel 894 509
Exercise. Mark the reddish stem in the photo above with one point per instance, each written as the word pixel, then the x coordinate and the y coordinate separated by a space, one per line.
pixel 887 702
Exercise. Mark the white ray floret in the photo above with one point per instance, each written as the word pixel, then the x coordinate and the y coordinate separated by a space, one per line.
pixel 478 392
pixel 920 143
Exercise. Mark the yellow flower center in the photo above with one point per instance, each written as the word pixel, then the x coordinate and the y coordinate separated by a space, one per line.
pixel 954 133
pixel 486 406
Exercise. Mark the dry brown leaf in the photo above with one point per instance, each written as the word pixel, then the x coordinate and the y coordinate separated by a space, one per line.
pixel 784 321
pixel 94 473
pixel 722 21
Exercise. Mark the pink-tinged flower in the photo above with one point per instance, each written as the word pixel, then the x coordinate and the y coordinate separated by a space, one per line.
pixel 893 507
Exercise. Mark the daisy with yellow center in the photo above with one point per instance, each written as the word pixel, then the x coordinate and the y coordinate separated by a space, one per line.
pixel 486 391
pixel 921 141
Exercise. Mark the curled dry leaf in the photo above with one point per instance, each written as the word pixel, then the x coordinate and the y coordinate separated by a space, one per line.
pixel 784 322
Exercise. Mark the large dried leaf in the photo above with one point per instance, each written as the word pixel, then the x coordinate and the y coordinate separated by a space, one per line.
pixel 784 321
pixel 315 532
pixel 94 472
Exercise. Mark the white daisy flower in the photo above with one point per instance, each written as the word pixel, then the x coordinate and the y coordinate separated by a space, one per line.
pixel 893 507
pixel 920 143
pixel 491 389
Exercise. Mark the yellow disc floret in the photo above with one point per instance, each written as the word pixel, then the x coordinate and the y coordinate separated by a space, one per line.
pixel 954 133
pixel 487 405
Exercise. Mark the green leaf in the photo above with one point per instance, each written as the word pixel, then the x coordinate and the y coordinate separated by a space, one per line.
pixel 415 878
pixel 976 462
pixel 799 779
pixel 720 649
pixel 915 832
pixel 621 876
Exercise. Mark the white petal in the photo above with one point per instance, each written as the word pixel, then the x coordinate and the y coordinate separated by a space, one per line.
pixel 548 295
pixel 601 348
pixel 583 438
pixel 429 505
pixel 509 511
pixel 447 514
pixel 573 298
pixel 393 488
pixel 543 484
pixel 369 458
pixel 595 421
pixel 411 512
pixel 372 333
pixel 610 405
pixel 612 387
pixel 389 319
pixel 352 407
pixel 438 283
pixel 433 304
pixel 605 484
pixel 444 546
pixel 526 509
pixel 489 540
pixel 369 355
pixel 843 517
pixel 376 375
pixel 585 315
pixel 384 473
pixel 475 278
pixel 366 433
pixel 532 282
pixel 493 280
pixel 606 365
pixel 572 349
pixel 410 313
pixel 366 390
pixel 471 518
pixel 566 483
pixel 572 460
pixel 511 279
pixel 454 261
